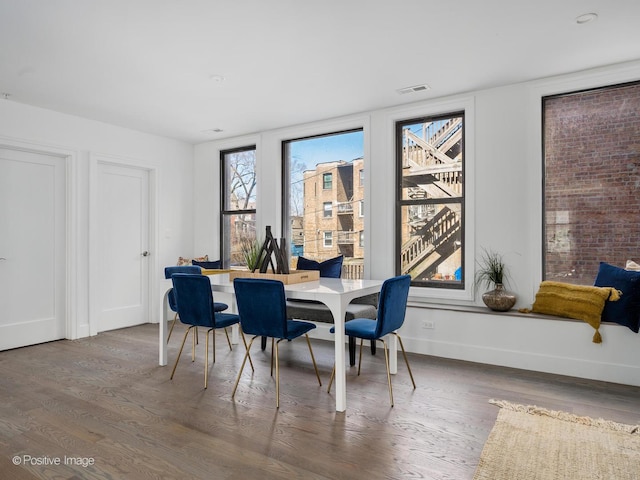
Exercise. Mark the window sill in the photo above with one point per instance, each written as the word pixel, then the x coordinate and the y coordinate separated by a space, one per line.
pixel 476 309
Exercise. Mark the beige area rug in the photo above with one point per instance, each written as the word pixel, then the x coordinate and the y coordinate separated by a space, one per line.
pixel 532 443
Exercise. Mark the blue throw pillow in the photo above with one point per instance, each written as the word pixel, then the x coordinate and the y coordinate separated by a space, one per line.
pixel 214 265
pixel 625 311
pixel 331 268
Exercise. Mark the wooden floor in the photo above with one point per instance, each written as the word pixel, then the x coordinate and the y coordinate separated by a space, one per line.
pixel 105 401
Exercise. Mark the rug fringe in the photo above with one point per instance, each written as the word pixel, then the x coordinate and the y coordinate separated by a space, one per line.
pixel 567 417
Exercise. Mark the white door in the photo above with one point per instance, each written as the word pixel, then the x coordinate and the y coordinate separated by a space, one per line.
pixel 32 248
pixel 123 241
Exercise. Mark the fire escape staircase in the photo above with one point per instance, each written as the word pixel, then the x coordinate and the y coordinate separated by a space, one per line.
pixel 435 238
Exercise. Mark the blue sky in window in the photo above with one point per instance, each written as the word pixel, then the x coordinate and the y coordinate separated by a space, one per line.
pixel 328 148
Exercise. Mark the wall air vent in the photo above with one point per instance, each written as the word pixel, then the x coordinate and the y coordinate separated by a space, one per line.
pixel 416 88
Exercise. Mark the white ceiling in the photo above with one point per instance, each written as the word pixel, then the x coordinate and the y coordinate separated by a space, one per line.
pixel 150 65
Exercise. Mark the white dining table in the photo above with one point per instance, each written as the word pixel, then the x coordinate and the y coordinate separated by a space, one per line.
pixel 335 293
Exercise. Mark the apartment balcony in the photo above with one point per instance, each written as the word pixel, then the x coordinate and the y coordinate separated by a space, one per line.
pixel 346 238
pixel 345 208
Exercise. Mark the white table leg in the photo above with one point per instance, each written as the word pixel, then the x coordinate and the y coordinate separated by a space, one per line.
pixel 338 309
pixel 392 342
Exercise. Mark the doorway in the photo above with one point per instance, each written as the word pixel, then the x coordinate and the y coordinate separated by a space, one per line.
pixel 32 247
pixel 122 248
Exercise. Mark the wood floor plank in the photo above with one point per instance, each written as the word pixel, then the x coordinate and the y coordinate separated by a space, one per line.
pixel 105 398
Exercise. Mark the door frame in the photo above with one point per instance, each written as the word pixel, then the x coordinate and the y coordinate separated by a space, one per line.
pixel 72 261
pixel 95 159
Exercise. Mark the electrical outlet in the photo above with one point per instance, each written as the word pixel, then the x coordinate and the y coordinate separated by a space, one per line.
pixel 428 324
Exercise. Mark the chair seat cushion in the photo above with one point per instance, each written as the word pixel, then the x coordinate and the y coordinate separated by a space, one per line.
pixel 226 319
pixel 296 328
pixel 319 312
pixel 360 327
pixel 219 306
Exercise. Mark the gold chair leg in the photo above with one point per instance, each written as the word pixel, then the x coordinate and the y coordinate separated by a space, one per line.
pixel 180 352
pixel 206 357
pixel 193 348
pixel 333 374
pixel 272 340
pixel 277 376
pixel 228 340
pixel 214 344
pixel 244 360
pixel 244 340
pixel 173 324
pixel 386 361
pixel 405 359
pixel 313 359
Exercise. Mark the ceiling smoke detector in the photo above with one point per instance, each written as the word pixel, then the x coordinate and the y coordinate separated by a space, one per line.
pixel 415 89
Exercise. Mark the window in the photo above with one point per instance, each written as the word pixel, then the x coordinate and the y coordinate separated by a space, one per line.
pixel 327 208
pixel 238 203
pixel 327 180
pixel 430 200
pixel 361 208
pixel 320 195
pixel 328 239
pixel 361 177
pixel 591 178
pixel 361 239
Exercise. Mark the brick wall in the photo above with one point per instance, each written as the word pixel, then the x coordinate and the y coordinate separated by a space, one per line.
pixel 592 181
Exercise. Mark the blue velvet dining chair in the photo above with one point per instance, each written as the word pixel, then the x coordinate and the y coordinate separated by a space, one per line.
pixel 263 313
pixel 196 308
pixel 391 312
pixel 171 298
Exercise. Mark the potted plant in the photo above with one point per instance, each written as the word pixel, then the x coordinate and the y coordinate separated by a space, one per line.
pixel 493 273
pixel 251 252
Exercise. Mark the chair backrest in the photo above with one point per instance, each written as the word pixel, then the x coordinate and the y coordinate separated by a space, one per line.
pixel 331 268
pixel 169 271
pixel 392 305
pixel 262 307
pixel 192 269
pixel 194 299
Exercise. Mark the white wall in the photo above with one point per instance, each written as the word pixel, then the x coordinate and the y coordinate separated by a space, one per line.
pixel 85 140
pixel 504 209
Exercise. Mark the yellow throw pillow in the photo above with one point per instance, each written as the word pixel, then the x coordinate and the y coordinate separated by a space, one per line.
pixel 574 301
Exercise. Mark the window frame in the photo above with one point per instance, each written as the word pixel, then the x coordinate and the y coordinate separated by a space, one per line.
pixel 325 176
pixel 399 123
pixel 327 212
pixel 330 130
pixel 327 235
pixel 579 277
pixel 224 210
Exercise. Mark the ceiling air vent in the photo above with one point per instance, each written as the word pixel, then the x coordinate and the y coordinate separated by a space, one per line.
pixel 416 88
